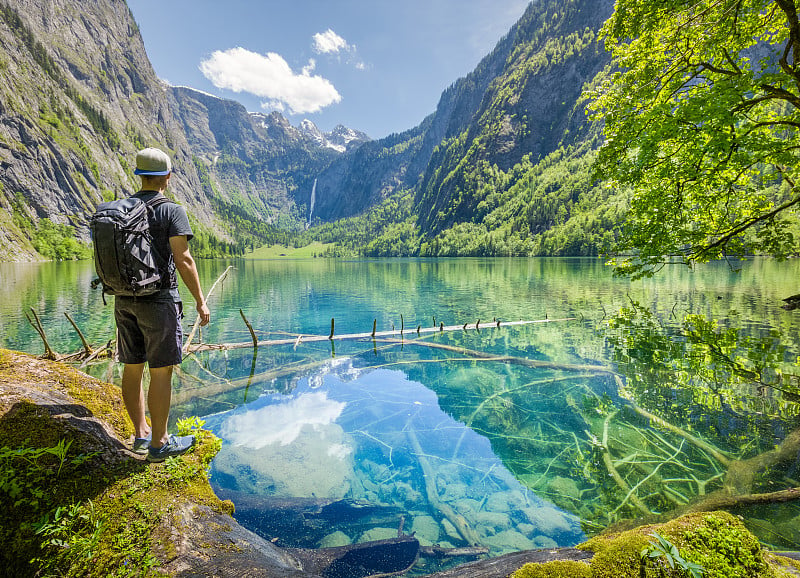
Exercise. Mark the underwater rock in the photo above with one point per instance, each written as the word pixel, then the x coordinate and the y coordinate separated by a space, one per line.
pixel 453 492
pixel 338 538
pixel 376 534
pixel 426 529
pixel 404 493
pixel 467 508
pixel 493 521
pixel 564 487
pixel 509 541
pixel 549 520
pixel 506 501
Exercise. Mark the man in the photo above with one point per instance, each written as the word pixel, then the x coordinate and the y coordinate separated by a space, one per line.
pixel 149 327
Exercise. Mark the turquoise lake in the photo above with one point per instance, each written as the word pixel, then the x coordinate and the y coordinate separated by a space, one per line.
pixel 508 437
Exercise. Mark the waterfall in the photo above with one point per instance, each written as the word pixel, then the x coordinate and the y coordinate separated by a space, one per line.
pixel 313 200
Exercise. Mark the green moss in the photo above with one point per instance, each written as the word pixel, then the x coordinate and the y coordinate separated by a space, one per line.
pixel 98 512
pixel 724 547
pixel 555 569
pixel 717 541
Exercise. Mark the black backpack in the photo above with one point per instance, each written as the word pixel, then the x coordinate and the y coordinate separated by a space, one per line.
pixel 126 262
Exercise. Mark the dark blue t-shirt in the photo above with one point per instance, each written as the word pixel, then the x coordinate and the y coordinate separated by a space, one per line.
pixel 168 220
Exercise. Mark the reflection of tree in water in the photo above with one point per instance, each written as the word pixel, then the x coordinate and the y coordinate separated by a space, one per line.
pixel 699 417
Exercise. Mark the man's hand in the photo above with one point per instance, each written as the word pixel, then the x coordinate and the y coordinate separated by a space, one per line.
pixel 204 313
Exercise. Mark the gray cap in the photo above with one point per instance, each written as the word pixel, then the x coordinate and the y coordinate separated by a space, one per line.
pixel 152 162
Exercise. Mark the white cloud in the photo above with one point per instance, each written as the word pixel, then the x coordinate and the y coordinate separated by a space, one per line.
pixel 329 41
pixel 270 77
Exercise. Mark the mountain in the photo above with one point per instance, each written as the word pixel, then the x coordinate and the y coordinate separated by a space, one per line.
pixel 503 166
pixel 257 162
pixel 79 97
pixel 340 139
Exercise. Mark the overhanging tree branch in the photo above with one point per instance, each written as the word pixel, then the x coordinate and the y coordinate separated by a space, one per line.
pixel 699 253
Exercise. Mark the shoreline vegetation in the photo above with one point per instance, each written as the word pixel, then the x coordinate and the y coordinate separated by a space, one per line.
pixel 80 503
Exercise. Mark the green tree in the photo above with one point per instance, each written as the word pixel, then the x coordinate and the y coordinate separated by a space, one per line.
pixel 701 114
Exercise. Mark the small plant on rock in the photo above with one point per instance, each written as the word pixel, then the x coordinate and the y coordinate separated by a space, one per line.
pixel 665 554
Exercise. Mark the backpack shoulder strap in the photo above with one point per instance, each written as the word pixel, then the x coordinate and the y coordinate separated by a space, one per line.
pixel 157 201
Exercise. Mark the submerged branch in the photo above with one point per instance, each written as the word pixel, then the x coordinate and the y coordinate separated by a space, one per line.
pixel 48 351
pixel 86 347
pixel 208 296
pixel 694 440
pixel 524 361
pixel 722 501
pixel 612 470
pixel 469 535
pixel 367 335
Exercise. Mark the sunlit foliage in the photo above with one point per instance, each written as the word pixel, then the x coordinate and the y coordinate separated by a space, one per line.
pixel 701 121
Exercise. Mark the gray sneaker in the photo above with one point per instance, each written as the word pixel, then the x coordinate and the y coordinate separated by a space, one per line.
pixel 140 445
pixel 175 446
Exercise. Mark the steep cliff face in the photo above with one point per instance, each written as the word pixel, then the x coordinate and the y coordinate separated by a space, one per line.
pixel 531 107
pixel 78 97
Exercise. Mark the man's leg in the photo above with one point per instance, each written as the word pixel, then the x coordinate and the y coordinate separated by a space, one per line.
pixel 159 397
pixel 133 397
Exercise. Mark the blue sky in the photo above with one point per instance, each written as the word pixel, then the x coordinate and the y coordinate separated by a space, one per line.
pixel 372 65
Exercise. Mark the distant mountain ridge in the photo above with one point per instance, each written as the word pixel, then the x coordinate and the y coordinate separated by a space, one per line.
pixel 257 161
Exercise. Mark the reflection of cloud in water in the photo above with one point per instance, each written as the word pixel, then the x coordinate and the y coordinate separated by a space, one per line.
pixel 282 423
pixel 349 432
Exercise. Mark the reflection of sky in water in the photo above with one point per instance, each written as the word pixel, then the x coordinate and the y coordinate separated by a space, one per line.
pixel 346 433
pixel 280 423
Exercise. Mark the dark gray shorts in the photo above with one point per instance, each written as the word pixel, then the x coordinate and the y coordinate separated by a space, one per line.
pixel 149 331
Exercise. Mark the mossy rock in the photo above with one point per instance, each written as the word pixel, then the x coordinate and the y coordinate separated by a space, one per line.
pixel 555 569
pixel 64 462
pixel 717 541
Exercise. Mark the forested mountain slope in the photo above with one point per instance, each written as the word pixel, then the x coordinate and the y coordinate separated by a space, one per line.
pixel 77 97
pixel 503 167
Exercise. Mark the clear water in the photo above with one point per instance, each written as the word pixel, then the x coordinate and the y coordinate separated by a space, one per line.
pixel 327 443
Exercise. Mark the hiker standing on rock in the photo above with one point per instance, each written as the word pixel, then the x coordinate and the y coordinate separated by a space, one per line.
pixel 148 312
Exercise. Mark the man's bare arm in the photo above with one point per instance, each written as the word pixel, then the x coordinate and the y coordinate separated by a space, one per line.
pixel 188 271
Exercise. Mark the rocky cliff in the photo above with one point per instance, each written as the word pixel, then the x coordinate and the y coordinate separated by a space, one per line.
pixel 258 161
pixel 79 97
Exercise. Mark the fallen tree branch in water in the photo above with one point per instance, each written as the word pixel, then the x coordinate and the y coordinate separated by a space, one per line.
pixel 723 501
pixel 524 361
pixel 469 535
pixel 208 295
pixel 185 395
pixel 437 551
pixel 716 452
pixel 48 351
pixel 368 335
pixel 86 347
pixel 612 470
